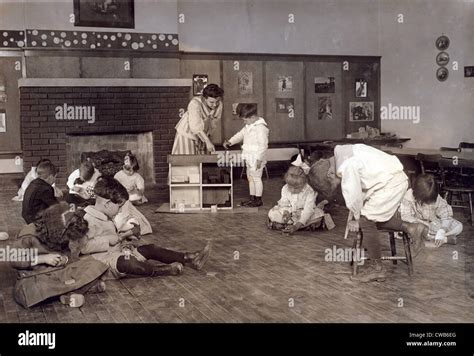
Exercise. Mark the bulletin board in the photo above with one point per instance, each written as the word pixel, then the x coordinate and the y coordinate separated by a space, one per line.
pixel 243 83
pixel 284 94
pixel 367 72
pixel 324 117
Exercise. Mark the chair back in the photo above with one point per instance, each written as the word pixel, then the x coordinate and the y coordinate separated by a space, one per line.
pixel 429 163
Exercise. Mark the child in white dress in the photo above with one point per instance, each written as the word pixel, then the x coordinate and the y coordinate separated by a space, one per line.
pixel 129 217
pixel 296 208
pixel 132 180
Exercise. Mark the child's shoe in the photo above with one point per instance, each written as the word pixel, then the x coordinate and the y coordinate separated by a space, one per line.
pixel 373 272
pixel 98 287
pixel 255 203
pixel 247 202
pixel 198 259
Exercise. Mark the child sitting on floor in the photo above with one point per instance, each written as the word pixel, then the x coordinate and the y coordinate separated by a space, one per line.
pixel 296 209
pixel 119 251
pixel 48 266
pixel 40 194
pixel 132 180
pixel 423 204
pixel 81 184
pixel 32 175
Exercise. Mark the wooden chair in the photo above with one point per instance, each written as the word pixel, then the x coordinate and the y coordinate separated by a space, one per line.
pixel 457 184
pixel 411 167
pixel 430 164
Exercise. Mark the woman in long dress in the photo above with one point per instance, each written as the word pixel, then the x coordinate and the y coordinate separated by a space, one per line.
pixel 194 129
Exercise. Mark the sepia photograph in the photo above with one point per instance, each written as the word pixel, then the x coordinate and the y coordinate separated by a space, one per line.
pixel 274 172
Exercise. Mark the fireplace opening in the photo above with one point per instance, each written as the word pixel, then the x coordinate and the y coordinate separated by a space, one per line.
pixel 109 150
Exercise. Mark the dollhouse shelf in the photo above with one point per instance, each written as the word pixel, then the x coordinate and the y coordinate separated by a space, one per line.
pixel 196 182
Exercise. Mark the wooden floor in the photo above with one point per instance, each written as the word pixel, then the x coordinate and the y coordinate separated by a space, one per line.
pixel 257 275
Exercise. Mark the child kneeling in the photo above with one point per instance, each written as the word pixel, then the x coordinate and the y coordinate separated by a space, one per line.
pixel 297 207
pixel 423 204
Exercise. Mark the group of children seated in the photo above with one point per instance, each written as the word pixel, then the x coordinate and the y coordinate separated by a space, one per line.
pixel 93 231
pixel 87 235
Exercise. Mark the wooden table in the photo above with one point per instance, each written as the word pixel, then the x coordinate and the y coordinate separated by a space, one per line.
pixel 412 152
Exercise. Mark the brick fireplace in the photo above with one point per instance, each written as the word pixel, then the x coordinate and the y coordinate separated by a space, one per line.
pixel 61 118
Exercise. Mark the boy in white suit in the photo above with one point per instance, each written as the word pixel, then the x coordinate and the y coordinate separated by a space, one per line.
pixel 255 144
pixel 373 185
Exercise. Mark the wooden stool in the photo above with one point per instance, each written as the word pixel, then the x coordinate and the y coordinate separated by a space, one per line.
pixel 393 248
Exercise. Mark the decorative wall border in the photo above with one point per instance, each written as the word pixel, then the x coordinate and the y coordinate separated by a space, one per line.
pixel 91 40
pixel 12 39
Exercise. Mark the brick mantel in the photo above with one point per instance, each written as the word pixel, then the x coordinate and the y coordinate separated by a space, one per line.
pixel 102 82
pixel 122 106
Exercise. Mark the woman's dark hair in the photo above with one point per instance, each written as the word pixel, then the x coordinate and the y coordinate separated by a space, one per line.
pixel 425 189
pixel 58 225
pixel 110 188
pixel 133 161
pixel 246 110
pixel 213 91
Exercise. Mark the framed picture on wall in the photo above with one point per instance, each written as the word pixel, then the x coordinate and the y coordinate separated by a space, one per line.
pixel 442 43
pixel 3 121
pixel 104 13
pixel 442 58
pixel 324 85
pixel 361 111
pixel 361 88
pixel 469 71
pixel 285 84
pixel 285 105
pixel 245 83
pixel 442 74
pixel 324 108
pixel 199 83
